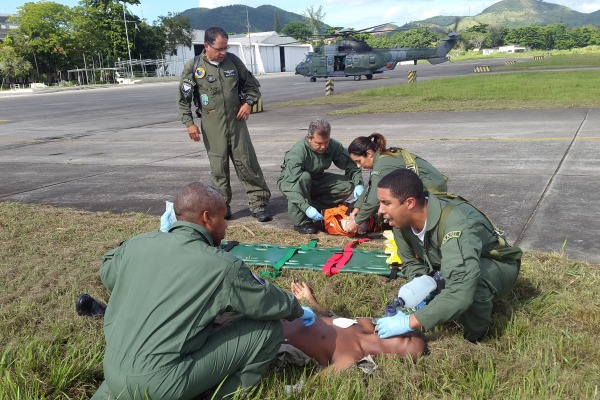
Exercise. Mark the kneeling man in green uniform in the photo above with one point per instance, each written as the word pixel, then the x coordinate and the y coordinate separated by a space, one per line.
pixel 167 289
pixel 453 237
pixel 306 185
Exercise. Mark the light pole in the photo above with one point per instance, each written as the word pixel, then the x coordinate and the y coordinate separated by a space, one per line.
pixel 127 37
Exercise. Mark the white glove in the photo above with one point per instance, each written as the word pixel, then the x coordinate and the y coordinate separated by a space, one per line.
pixel 358 189
pixel 168 218
pixel 313 214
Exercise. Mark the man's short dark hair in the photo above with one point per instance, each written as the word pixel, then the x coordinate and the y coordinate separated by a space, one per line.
pixel 211 34
pixel 402 184
pixel 196 198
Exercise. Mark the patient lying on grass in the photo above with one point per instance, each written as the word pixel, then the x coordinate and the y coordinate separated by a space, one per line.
pixel 338 348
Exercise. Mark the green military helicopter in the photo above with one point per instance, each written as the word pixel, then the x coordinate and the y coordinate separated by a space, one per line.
pixel 350 57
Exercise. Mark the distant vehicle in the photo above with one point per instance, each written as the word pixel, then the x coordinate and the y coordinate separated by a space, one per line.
pixel 350 57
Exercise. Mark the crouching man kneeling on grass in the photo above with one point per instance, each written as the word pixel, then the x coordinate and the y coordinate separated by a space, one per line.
pixel 167 290
pixel 338 343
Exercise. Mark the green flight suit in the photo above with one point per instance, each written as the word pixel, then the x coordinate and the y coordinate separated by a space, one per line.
pixel 305 183
pixel 224 137
pixel 472 282
pixel 167 289
pixel 368 203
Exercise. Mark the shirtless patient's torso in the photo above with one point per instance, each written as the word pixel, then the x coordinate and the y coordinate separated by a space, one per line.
pixel 339 348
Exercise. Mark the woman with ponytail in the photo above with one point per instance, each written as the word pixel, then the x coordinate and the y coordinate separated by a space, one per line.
pixel 370 152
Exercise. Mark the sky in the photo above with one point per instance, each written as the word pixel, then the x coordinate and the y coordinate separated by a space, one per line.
pixel 356 14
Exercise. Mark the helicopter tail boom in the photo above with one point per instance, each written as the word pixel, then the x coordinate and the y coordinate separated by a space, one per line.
pixel 447 44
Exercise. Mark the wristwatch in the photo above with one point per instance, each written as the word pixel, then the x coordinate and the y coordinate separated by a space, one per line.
pixel 250 102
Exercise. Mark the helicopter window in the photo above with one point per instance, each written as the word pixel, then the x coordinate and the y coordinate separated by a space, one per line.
pixel 372 59
pixel 356 59
pixel 323 62
pixel 329 60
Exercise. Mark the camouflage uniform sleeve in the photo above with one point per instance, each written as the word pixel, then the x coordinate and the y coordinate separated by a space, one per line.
pixel 111 264
pixel 291 171
pixel 185 94
pixel 259 299
pixel 460 257
pixel 251 86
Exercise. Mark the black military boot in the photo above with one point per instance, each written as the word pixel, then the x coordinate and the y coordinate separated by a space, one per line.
pixel 87 305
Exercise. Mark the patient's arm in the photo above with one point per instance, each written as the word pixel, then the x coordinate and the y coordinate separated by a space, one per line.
pixel 302 291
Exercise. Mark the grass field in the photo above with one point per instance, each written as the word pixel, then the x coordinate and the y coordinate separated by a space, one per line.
pixel 543 343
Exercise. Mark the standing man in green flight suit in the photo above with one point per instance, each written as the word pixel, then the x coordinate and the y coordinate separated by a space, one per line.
pixel 217 82
pixel 453 237
pixel 306 185
pixel 167 289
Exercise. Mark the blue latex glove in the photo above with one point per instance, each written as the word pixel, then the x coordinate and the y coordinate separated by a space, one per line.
pixel 168 218
pixel 393 326
pixel 314 214
pixel 308 318
pixel 358 189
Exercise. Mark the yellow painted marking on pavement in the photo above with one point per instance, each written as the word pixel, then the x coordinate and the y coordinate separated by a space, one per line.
pixel 4 120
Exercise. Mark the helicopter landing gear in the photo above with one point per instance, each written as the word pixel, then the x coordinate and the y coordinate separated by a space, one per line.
pixel 369 77
pixel 313 79
pixel 357 77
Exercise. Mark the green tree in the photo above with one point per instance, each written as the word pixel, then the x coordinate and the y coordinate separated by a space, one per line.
pixel 557 37
pixel 497 35
pixel 531 36
pixel 586 35
pixel 104 4
pixel 276 22
pixel 314 17
pixel 177 30
pixel 480 28
pixel 297 30
pixel 44 35
pixel 11 64
pixel 149 41
pixel 419 37
pixel 332 30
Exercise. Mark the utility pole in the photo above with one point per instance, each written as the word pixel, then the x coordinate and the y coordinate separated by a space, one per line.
pixel 249 42
pixel 127 36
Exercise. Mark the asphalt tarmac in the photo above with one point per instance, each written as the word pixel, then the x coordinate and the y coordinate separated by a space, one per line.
pixel 535 173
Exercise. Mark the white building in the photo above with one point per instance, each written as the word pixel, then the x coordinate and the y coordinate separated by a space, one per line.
pixel 261 52
pixel 513 48
pixel 5 26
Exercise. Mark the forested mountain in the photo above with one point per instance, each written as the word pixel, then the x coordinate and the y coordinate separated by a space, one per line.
pixel 233 18
pixel 513 14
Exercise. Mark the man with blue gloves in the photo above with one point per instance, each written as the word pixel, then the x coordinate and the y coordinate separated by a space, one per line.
pixel 163 340
pixel 449 235
pixel 306 185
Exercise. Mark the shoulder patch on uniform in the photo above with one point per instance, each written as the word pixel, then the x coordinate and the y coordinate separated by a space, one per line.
pixel 186 88
pixel 229 73
pixel 200 72
pixel 190 81
pixel 450 235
